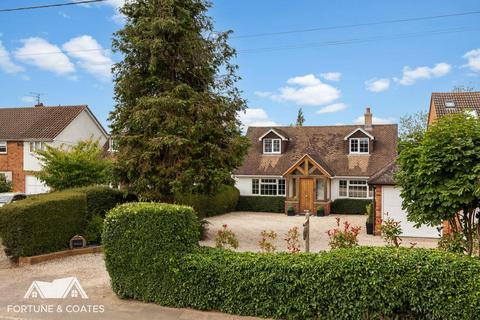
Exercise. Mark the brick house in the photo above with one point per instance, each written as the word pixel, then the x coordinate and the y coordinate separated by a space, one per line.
pixel 311 166
pixel 25 130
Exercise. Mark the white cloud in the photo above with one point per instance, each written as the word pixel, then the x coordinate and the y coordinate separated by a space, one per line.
pixel 307 90
pixel 332 108
pixel 255 117
pixel 90 56
pixel 44 55
pixel 473 57
pixel 410 76
pixel 263 94
pixel 331 76
pixel 377 85
pixel 375 120
pixel 6 64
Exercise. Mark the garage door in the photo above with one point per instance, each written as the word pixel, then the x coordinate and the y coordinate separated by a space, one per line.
pixel 392 204
pixel 34 185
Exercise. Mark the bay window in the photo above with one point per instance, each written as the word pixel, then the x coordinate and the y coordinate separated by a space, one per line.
pixel 268 187
pixel 355 189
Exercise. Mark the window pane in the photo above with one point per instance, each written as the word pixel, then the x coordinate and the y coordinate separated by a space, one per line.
pixel 276 145
pixel 292 188
pixel 3 147
pixel 353 145
pixel 343 188
pixel 320 189
pixel 357 189
pixel 267 145
pixel 364 145
pixel 255 186
pixel 268 187
pixel 281 186
pixel 370 191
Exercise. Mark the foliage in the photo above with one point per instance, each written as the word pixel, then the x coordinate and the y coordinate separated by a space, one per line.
pixel 77 166
pixel 175 118
pixel 320 211
pixel 413 126
pixel 369 212
pixel 453 242
pixel 292 239
pixel 203 228
pixel 93 231
pixel 226 238
pixel 265 243
pixel 439 175
pixel 42 224
pixel 261 204
pixel 46 223
pixel 349 206
pixel 208 205
pixel 391 231
pixel 142 243
pixel 300 118
pixel 153 256
pixel 5 185
pixel 346 238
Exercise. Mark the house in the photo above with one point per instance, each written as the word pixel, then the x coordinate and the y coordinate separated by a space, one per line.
pixel 23 131
pixel 311 166
pixel 58 289
pixel 442 103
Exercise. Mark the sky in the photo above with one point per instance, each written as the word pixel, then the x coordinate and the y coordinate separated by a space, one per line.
pixel 331 58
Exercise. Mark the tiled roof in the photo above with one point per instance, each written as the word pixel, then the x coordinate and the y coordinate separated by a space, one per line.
pixel 326 145
pixel 41 123
pixel 385 175
pixel 461 100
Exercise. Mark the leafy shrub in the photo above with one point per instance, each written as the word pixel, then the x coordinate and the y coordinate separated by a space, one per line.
pixel 152 255
pixel 292 239
pixel 346 238
pixel 5 185
pixel 42 224
pixel 453 242
pixel 265 243
pixel 261 204
pixel 225 200
pixel 391 231
pixel 369 212
pixel 143 241
pixel 349 206
pixel 226 238
pixel 93 231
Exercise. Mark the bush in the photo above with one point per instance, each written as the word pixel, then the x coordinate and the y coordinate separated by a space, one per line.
pixel 261 204
pixel 349 206
pixel 43 224
pixel 152 255
pixel 141 241
pixel 5 186
pixel 46 223
pixel 225 200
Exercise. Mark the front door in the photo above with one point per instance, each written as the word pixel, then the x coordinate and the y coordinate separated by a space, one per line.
pixel 306 195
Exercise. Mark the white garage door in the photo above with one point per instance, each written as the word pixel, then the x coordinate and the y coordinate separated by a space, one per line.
pixel 34 185
pixel 392 204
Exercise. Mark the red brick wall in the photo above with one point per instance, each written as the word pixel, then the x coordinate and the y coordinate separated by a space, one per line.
pixel 295 205
pixel 378 209
pixel 13 161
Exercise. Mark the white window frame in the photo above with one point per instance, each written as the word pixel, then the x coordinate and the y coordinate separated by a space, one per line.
pixel 41 145
pixel 358 140
pixel 369 189
pixel 259 182
pixel 272 141
pixel 112 146
pixel 4 144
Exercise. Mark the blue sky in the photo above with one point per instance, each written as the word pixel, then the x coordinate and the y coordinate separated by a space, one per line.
pixel 391 67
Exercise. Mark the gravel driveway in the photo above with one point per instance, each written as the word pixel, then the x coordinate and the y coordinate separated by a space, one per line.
pixel 248 226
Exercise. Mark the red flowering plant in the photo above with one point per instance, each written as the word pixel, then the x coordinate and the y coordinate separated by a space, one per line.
pixel 226 238
pixel 266 243
pixel 346 237
pixel 292 239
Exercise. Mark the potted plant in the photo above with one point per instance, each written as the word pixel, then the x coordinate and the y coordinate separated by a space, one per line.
pixel 320 211
pixel 369 223
pixel 290 211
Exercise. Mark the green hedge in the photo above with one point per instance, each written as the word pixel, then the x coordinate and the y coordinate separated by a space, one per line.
pixel 152 255
pixel 261 204
pixel 349 206
pixel 46 223
pixel 225 200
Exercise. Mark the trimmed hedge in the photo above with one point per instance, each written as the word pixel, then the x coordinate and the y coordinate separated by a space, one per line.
pixel 46 223
pixel 349 206
pixel 261 204
pixel 152 255
pixel 225 200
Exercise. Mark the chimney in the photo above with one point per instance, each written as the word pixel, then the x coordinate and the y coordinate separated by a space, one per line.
pixel 368 119
pixel 39 105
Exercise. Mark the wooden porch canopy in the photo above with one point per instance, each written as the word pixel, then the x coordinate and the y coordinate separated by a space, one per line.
pixel 307 166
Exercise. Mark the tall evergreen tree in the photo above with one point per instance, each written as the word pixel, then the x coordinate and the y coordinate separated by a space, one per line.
pixel 300 118
pixel 175 118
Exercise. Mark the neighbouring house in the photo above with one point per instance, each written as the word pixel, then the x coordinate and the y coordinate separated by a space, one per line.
pixel 311 166
pixel 23 131
pixel 443 103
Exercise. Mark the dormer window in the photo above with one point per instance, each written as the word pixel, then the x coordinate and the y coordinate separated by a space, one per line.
pixel 272 146
pixel 359 145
